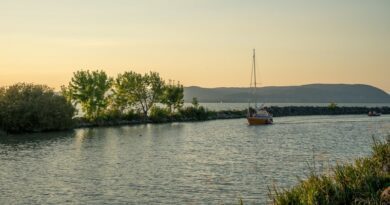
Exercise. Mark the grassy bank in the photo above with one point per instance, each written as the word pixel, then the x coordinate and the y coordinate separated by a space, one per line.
pixel 362 182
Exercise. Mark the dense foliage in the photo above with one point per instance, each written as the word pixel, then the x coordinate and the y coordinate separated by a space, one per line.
pixel 89 89
pixel 135 91
pixel 173 97
pixel 158 114
pixel 33 108
pixel 129 95
pixel 358 183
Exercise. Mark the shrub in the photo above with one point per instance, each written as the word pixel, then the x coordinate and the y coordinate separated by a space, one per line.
pixel 358 183
pixel 158 114
pixel 133 115
pixel 195 113
pixel 33 108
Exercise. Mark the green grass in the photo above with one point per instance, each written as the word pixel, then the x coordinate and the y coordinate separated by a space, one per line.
pixel 359 183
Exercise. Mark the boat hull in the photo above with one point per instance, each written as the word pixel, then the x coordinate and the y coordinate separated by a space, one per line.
pixel 374 115
pixel 259 121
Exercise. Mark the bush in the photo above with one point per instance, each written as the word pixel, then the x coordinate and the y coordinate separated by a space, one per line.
pixel 195 113
pixel 358 183
pixel 33 108
pixel 158 114
pixel 133 115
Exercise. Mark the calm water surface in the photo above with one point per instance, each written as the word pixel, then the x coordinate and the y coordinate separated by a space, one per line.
pixel 211 162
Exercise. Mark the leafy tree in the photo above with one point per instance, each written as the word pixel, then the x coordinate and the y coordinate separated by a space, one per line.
pixel 127 88
pixel 173 97
pixel 32 108
pixel 155 89
pixel 89 89
pixel 144 91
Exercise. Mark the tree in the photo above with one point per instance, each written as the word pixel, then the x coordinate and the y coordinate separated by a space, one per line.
pixel 127 89
pixel 155 88
pixel 33 108
pixel 89 89
pixel 173 96
pixel 143 91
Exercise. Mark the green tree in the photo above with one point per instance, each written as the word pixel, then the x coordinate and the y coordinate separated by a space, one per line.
pixel 173 96
pixel 144 91
pixel 155 89
pixel 89 89
pixel 127 89
pixel 33 108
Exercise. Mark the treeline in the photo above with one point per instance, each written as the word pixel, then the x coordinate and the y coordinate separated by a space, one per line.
pixel 129 97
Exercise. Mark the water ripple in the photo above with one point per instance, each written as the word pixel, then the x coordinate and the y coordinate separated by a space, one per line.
pixel 210 162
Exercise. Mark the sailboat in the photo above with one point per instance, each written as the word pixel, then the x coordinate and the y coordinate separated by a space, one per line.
pixel 257 115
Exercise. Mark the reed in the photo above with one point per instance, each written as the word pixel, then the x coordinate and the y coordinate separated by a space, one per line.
pixel 359 183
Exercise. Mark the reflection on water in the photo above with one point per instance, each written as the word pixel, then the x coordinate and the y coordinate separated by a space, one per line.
pixel 186 163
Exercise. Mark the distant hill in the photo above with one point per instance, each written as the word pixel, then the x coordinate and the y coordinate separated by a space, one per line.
pixel 312 93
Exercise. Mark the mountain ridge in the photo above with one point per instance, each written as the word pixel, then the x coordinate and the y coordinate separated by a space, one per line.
pixel 309 93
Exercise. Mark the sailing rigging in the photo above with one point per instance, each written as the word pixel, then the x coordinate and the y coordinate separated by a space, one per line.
pixel 257 115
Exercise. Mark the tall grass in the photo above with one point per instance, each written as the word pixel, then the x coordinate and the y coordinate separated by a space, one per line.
pixel 359 183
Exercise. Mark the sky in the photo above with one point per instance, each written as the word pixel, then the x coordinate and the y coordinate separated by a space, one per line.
pixel 204 43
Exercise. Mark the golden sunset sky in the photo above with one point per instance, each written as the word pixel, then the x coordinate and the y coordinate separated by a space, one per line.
pixel 206 43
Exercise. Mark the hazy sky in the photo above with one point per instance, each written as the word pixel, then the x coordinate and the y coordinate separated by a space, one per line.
pixel 199 42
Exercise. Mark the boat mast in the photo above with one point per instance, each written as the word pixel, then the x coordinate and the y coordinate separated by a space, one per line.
pixel 254 76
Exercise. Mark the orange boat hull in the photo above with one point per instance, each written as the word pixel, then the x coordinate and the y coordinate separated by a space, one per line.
pixel 259 121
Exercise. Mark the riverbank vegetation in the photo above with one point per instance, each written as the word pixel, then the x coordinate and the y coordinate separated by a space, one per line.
pixel 363 182
pixel 129 98
pixel 33 108
pixel 130 94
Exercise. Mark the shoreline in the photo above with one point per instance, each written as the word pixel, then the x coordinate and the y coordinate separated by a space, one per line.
pixel 237 114
pixel 209 115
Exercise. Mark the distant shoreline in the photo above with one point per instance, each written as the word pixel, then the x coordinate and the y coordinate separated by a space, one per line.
pixel 237 114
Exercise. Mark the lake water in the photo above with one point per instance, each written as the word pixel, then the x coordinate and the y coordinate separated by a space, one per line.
pixel 210 162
